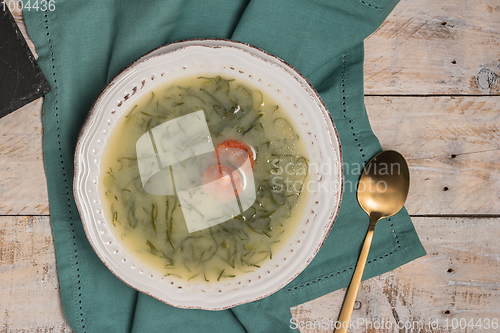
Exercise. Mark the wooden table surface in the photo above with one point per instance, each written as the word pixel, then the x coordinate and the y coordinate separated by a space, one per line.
pixel 432 86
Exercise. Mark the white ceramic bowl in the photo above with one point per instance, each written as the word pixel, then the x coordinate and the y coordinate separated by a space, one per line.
pixel 248 64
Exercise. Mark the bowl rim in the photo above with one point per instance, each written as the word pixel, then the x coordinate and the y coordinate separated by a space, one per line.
pixel 248 48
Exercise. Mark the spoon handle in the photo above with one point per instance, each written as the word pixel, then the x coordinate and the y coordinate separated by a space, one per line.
pixel 352 292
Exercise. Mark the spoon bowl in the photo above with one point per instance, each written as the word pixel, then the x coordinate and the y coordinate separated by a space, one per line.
pixel 384 184
pixel 382 192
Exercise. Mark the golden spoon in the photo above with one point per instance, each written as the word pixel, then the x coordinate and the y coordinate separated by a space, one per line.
pixel 382 191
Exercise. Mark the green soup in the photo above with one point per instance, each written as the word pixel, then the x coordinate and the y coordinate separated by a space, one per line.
pixel 153 227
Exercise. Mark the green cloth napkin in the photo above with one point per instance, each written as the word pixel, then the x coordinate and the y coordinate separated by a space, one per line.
pixel 83 44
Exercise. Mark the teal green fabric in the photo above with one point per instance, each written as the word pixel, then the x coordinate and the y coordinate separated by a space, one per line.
pixel 83 44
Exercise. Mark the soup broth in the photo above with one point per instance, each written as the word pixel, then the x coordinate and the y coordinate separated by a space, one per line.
pixel 153 227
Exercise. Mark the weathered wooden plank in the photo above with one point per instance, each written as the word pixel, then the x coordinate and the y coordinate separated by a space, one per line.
pixel 427 47
pixel 29 293
pixel 449 47
pixel 436 47
pixel 458 281
pixel 18 17
pixel 23 189
pixel 452 145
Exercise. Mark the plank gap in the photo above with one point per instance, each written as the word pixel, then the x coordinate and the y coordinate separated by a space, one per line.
pixel 24 215
pixel 431 95
pixel 473 216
